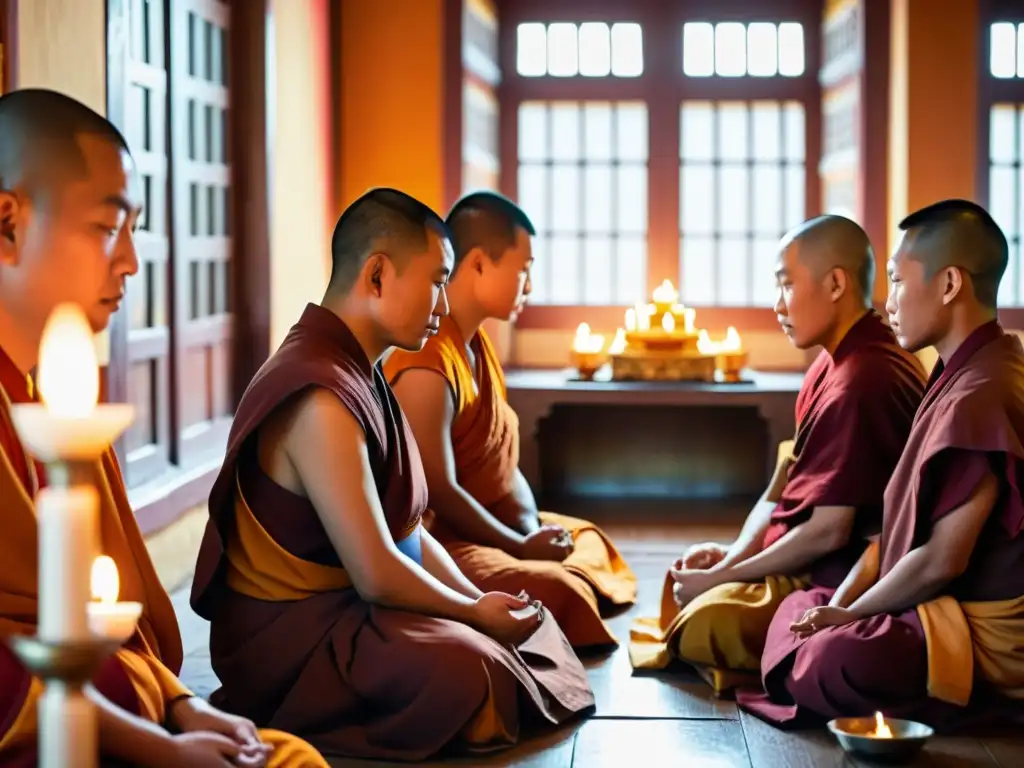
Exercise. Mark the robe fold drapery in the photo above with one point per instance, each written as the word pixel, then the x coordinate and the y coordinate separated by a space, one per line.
pixel 853 416
pixel 142 677
pixel 485 442
pixel 959 653
pixel 292 641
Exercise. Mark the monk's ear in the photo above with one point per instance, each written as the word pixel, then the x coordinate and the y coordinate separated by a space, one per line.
pixel 952 283
pixel 373 273
pixel 11 213
pixel 837 283
pixel 475 259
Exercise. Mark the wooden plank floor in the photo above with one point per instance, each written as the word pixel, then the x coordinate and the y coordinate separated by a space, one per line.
pixel 647 717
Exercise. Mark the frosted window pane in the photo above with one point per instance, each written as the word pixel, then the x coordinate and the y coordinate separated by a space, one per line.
pixel 796 207
pixel 697 199
pixel 598 272
pixel 533 194
pixel 597 131
pixel 565 198
pixel 733 272
pixel 631 212
pixel 565 270
pixel 766 256
pixel 627 50
pixel 562 50
pixel 597 198
pixel 1020 208
pixel 733 199
pixel 697 281
pixel 698 49
pixel 768 200
pixel 565 132
pixel 533 132
pixel 1002 135
pixel 1007 295
pixel 631 132
pixel 767 128
pixel 1020 50
pixel 791 49
pixel 1003 50
pixel 1002 196
pixel 697 130
pixel 730 49
pixel 631 269
pixel 531 50
pixel 794 131
pixel 595 50
pixel 733 142
pixel 541 269
pixel 762 50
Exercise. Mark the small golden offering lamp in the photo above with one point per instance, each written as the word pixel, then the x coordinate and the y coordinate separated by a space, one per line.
pixel 880 738
pixel 730 357
pixel 587 352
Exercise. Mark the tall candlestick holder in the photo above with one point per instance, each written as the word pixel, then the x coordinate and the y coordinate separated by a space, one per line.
pixel 69 433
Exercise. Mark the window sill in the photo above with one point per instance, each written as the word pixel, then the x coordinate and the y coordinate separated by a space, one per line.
pixel 162 501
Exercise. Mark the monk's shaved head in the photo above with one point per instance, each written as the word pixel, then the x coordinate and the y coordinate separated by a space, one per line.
pixel 40 133
pixel 486 220
pixel 835 242
pixel 962 234
pixel 381 221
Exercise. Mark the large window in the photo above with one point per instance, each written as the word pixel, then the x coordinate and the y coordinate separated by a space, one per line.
pixel 1004 84
pixel 654 141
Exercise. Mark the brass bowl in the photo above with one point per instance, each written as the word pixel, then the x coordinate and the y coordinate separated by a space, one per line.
pixel 908 738
pixel 73 662
pixel 588 363
pixel 731 364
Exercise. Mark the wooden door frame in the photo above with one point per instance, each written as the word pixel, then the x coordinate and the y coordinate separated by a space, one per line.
pixel 162 502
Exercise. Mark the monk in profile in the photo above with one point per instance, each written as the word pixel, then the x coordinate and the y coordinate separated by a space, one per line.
pixel 68 211
pixel 334 612
pixel 929 625
pixel 853 415
pixel 453 392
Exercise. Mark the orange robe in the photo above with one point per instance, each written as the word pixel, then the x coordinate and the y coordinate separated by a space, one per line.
pixel 142 677
pixel 485 441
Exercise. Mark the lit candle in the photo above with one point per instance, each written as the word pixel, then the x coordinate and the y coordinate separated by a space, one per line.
pixel 618 345
pixel 882 729
pixel 665 294
pixel 67 429
pixel 585 342
pixel 107 617
pixel 643 316
pixel 668 323
pixel 704 343
pixel 630 319
pixel 689 319
pixel 732 341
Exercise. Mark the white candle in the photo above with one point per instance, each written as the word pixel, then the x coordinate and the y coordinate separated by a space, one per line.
pixel 630 319
pixel 67 546
pixel 107 617
pixel 72 734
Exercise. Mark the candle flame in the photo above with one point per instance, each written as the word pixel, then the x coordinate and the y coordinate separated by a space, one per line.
pixel 585 341
pixel 731 343
pixel 631 319
pixel 105 582
pixel 68 375
pixel 882 729
pixel 665 293
pixel 668 323
pixel 618 345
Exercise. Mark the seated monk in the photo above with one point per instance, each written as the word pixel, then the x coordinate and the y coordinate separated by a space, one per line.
pixel 930 623
pixel 334 612
pixel 853 415
pixel 68 210
pixel 453 393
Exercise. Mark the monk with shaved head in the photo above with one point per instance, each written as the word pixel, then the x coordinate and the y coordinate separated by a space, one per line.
pixel 930 622
pixel 69 207
pixel 853 415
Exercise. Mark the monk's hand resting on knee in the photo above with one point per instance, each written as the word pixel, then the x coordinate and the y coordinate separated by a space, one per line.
pixel 549 542
pixel 509 619
pixel 691 583
pixel 195 715
pixel 816 619
pixel 700 557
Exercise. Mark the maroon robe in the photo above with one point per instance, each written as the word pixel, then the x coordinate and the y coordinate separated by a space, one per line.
pixel 350 677
pixel 853 416
pixel 970 422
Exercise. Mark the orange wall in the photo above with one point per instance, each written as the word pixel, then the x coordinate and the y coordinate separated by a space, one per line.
pixel 392 98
